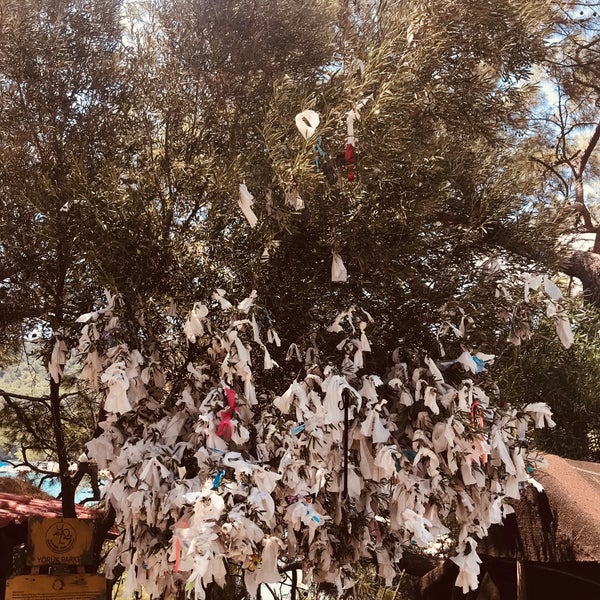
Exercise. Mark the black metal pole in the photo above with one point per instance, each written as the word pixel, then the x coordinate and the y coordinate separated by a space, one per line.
pixel 346 401
pixel 294 584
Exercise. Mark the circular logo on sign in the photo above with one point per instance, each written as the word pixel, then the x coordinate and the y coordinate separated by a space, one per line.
pixel 60 537
pixel 58 585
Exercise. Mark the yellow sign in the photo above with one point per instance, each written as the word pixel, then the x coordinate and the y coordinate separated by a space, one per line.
pixel 56 587
pixel 60 541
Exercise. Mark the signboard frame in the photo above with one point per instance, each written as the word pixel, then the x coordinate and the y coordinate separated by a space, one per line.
pixel 83 586
pixel 52 541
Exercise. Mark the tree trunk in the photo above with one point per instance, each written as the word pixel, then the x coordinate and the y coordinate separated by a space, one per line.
pixel 585 266
pixel 66 481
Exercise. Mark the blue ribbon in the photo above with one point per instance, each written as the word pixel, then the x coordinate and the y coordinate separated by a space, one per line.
pixel 217 479
pixel 297 429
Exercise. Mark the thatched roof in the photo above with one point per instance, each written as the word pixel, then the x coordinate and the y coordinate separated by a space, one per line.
pixel 560 524
pixel 22 486
pixel 553 534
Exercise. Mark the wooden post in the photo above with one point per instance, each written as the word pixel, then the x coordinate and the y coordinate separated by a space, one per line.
pixel 521 583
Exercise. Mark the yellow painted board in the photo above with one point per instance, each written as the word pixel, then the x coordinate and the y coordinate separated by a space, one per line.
pixel 56 587
pixel 60 541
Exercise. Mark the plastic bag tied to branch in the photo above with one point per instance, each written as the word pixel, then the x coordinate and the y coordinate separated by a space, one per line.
pixel 319 481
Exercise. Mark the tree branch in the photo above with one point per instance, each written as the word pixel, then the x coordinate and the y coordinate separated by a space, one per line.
pixel 552 168
pixel 586 267
pixel 582 210
pixel 33 467
pixel 579 195
pixel 588 151
pixel 6 394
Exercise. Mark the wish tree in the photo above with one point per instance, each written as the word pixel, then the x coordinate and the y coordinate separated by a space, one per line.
pixel 311 219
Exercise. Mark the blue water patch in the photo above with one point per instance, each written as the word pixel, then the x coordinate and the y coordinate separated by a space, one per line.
pixel 51 485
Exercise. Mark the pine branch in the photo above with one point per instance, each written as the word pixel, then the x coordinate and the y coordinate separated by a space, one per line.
pixel 41 399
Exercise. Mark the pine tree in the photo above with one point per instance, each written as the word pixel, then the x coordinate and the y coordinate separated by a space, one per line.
pixel 59 99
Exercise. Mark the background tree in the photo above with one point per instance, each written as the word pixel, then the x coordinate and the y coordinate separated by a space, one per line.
pixel 566 380
pixel 429 199
pixel 567 136
pixel 60 103
pixel 562 147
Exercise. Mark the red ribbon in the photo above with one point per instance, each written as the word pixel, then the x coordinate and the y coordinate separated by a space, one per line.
pixel 476 414
pixel 225 427
pixel 184 524
pixel 230 398
pixel 350 157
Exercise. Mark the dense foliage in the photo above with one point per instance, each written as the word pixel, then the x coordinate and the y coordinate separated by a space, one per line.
pixel 567 379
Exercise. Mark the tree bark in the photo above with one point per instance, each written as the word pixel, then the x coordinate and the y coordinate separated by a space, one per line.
pixel 585 266
pixel 66 481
